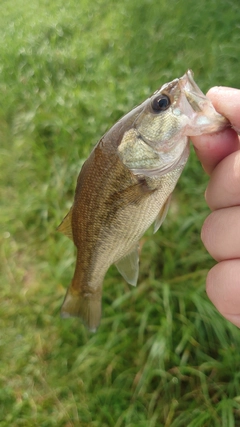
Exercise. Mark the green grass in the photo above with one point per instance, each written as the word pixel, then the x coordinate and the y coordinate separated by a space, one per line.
pixel 162 356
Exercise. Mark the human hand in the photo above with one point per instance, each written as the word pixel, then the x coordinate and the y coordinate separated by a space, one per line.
pixel 220 156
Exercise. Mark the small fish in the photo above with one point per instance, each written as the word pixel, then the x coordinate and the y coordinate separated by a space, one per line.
pixel 125 185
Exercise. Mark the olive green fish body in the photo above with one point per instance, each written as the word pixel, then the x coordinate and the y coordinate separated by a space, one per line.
pixel 111 211
pixel 125 185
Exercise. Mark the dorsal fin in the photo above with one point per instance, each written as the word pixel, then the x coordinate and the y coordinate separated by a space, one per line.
pixel 66 225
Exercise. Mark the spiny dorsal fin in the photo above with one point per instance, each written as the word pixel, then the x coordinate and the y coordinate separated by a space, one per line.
pixel 162 214
pixel 128 266
pixel 66 225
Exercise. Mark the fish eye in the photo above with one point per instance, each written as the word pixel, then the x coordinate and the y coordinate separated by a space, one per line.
pixel 161 103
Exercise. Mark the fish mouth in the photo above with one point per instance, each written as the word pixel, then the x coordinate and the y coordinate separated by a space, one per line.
pixel 192 92
pixel 203 116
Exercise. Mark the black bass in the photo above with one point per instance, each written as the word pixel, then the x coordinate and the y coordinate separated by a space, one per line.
pixel 125 185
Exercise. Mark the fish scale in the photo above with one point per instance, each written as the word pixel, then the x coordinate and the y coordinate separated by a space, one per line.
pixel 126 184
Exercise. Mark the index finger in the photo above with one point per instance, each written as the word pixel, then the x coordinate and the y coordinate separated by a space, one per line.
pixel 211 149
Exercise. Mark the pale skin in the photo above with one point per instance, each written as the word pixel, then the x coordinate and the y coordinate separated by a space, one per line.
pixel 220 156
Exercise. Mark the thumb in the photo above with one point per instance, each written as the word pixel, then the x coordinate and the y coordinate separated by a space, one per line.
pixel 212 148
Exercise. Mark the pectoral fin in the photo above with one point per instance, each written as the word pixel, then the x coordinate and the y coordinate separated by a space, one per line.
pixel 66 225
pixel 128 266
pixel 162 214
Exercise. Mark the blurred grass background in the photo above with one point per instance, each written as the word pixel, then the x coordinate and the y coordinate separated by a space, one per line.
pixel 162 356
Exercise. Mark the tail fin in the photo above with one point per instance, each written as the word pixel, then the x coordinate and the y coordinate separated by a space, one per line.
pixel 88 308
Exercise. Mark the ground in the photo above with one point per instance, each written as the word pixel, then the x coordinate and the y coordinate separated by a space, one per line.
pixel 162 356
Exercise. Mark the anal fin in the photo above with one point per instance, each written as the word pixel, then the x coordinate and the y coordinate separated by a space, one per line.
pixel 128 266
